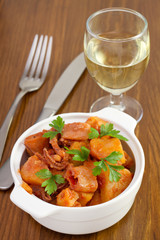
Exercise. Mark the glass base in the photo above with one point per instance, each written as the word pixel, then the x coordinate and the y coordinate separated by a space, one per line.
pixel 128 105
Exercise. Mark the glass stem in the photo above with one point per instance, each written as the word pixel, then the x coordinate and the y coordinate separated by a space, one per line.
pixel 116 101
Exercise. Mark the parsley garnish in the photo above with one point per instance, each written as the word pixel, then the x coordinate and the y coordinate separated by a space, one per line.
pixel 79 155
pixel 50 184
pixel 103 164
pixel 106 129
pixel 93 133
pixel 58 125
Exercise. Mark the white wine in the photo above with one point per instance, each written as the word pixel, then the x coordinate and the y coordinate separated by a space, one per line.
pixel 116 66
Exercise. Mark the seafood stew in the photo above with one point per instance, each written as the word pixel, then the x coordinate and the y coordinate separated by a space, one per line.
pixel 77 164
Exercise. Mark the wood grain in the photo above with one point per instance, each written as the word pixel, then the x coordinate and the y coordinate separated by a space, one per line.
pixel 65 20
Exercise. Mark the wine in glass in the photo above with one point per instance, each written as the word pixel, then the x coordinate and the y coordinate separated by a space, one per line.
pixel 117 48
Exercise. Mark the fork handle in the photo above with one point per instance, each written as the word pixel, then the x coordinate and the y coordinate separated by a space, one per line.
pixel 7 122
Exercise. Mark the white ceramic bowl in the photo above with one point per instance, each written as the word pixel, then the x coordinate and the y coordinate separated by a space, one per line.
pixel 85 219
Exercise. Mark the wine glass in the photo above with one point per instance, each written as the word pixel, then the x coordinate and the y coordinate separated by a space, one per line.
pixel 117 49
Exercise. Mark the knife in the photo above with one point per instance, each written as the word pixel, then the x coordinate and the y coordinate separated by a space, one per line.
pixel 59 93
pixel 63 86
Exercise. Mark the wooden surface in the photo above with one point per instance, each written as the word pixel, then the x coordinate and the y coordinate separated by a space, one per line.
pixel 65 20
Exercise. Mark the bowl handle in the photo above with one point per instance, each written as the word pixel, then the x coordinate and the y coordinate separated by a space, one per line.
pixel 121 118
pixel 31 204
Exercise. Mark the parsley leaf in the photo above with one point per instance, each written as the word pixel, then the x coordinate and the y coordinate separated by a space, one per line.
pixel 50 134
pixel 104 129
pixel 93 133
pixel 108 130
pixel 79 155
pixel 58 178
pixel 58 125
pixel 44 173
pixel 112 158
pixel 114 175
pixel 50 184
pixel 99 166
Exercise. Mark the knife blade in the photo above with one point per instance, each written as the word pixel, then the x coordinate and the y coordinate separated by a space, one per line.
pixel 59 93
pixel 63 86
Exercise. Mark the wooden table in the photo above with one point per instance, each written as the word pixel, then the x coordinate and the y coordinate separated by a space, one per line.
pixel 65 20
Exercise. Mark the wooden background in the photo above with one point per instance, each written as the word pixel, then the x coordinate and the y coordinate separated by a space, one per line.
pixel 65 20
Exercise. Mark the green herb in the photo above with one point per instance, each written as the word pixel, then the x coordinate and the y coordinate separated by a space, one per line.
pixel 103 164
pixel 44 173
pixel 114 157
pixel 79 155
pixel 113 174
pixel 93 133
pixel 50 184
pixel 58 125
pixel 105 129
pixel 50 134
pixel 108 130
pixel 99 166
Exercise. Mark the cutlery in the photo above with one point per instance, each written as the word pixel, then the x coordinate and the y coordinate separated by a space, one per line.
pixel 63 86
pixel 33 77
pixel 61 90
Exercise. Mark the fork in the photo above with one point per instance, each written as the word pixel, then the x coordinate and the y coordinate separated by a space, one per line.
pixel 33 77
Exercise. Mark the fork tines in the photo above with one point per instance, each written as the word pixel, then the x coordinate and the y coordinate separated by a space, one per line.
pixel 38 60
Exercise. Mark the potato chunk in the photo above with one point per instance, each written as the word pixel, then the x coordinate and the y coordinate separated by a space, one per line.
pixel 102 147
pixel 96 199
pixel 36 143
pixel 84 198
pixel 67 198
pixel 129 161
pixel 29 169
pixel 96 122
pixel 79 144
pixel 110 190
